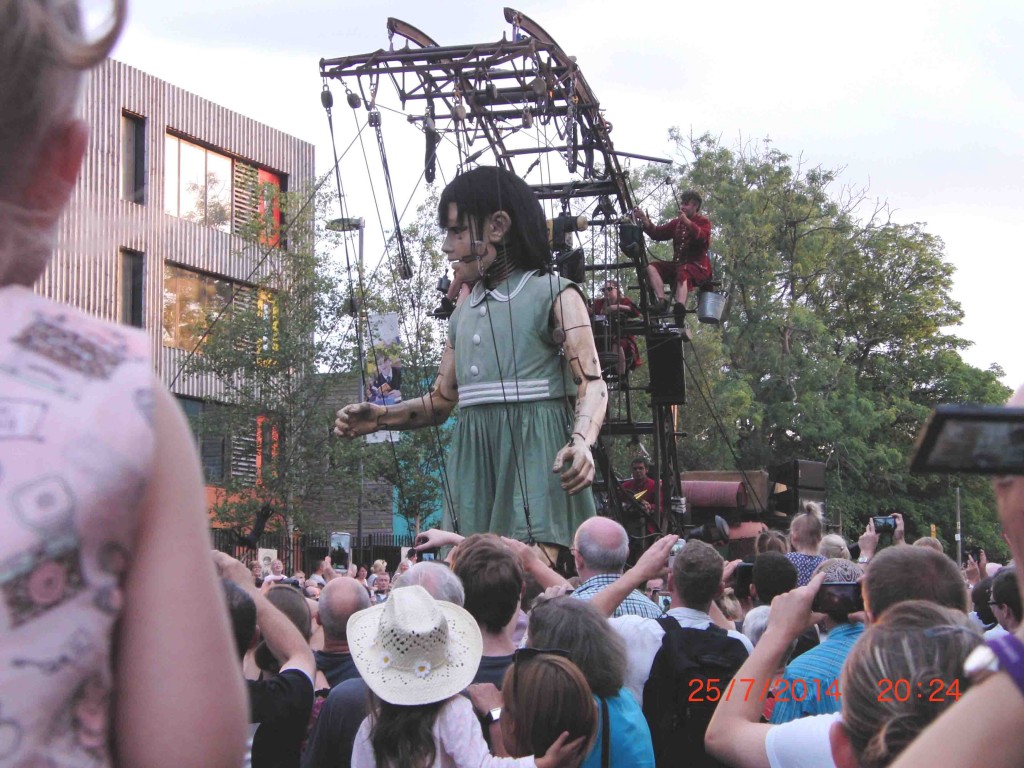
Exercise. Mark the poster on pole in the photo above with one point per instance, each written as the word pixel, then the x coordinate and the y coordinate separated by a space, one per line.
pixel 383 374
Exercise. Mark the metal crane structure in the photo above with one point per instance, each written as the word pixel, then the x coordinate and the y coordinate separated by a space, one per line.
pixel 523 103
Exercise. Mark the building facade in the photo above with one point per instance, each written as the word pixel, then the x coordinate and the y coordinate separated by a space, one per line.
pixel 151 236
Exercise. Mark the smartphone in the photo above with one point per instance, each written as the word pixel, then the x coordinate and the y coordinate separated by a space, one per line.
pixel 742 579
pixel 425 556
pixel 985 439
pixel 838 597
pixel 664 601
pixel 676 549
pixel 340 547
pixel 974 552
pixel 884 523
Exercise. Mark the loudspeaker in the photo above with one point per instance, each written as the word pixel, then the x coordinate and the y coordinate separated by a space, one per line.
pixel 799 473
pixel 792 501
pixel 665 355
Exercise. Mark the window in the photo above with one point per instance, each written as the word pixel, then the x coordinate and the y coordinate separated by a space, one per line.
pixel 216 190
pixel 133 158
pixel 191 301
pixel 132 286
pixel 213 444
pixel 197 183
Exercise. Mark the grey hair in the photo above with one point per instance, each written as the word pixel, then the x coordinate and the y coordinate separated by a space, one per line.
pixel 576 626
pixel 437 579
pixel 597 557
pixel 756 622
pixel 838 569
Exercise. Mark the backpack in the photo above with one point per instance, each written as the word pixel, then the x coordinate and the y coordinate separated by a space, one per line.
pixel 691 666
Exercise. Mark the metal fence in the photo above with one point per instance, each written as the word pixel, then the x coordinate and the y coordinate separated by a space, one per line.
pixel 301 551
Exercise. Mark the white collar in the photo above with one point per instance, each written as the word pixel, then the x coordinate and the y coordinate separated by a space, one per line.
pixel 480 293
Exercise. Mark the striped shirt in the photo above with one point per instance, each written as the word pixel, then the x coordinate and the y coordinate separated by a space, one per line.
pixel 635 604
pixel 814 677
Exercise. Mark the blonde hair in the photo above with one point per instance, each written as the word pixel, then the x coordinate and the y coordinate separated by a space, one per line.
pixel 43 52
pixel 807 528
pixel 834 545
pixel 771 541
pixel 42 55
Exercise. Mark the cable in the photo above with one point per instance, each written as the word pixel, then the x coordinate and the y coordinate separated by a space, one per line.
pixel 721 427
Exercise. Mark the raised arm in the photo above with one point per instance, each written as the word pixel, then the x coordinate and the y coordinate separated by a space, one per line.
pixel 174 642
pixel 433 408
pixel 736 735
pixel 572 320
pixel 651 565
pixel 285 642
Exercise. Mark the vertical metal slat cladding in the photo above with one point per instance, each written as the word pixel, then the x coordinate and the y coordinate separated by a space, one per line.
pixel 85 270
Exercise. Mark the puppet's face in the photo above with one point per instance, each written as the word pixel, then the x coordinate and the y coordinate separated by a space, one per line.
pixel 469 252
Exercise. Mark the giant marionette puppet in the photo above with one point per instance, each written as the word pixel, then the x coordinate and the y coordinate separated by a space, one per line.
pixel 520 350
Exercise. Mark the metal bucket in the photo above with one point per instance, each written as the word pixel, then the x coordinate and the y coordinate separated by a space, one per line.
pixel 710 306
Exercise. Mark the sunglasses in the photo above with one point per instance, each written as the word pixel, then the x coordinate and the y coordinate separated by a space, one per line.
pixel 523 655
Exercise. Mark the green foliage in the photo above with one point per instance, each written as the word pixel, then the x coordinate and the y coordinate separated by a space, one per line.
pixel 259 358
pixel 835 343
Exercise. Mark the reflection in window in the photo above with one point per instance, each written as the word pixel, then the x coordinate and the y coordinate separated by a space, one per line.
pixel 197 183
pixel 191 301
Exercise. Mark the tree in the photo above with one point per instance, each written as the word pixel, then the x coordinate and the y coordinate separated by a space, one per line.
pixel 258 357
pixel 833 345
pixel 284 357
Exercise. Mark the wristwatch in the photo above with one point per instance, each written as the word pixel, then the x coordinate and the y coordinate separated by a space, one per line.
pixel 493 716
pixel 1001 654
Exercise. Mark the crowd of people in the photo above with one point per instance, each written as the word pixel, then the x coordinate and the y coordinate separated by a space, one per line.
pixel 491 657
pixel 125 642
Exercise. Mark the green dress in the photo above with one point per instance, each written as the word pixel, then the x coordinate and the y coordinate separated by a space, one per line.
pixel 514 414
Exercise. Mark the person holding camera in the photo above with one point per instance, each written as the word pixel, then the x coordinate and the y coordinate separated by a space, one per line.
pixel 810 676
pixel 878 526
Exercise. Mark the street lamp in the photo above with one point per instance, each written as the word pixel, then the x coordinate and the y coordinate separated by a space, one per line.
pixel 349 224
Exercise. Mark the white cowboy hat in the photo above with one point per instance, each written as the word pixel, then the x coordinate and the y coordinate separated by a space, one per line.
pixel 413 649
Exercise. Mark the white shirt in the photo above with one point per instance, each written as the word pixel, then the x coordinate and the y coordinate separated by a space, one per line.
pixel 642 638
pixel 802 743
pixel 996 631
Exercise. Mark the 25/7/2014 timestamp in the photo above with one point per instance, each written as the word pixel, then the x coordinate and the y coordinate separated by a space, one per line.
pixel 779 688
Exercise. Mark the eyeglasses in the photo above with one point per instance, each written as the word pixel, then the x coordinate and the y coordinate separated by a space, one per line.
pixel 608 288
pixel 525 654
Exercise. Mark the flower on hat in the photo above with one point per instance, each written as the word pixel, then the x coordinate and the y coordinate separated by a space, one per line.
pixel 385 659
pixel 422 668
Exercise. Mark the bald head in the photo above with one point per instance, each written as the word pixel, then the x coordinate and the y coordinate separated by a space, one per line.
pixel 338 600
pixel 602 546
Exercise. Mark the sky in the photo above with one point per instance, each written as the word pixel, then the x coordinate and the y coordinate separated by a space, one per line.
pixel 920 103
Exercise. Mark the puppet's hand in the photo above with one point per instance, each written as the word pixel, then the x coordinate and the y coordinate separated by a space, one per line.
pixel 358 419
pixel 576 463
